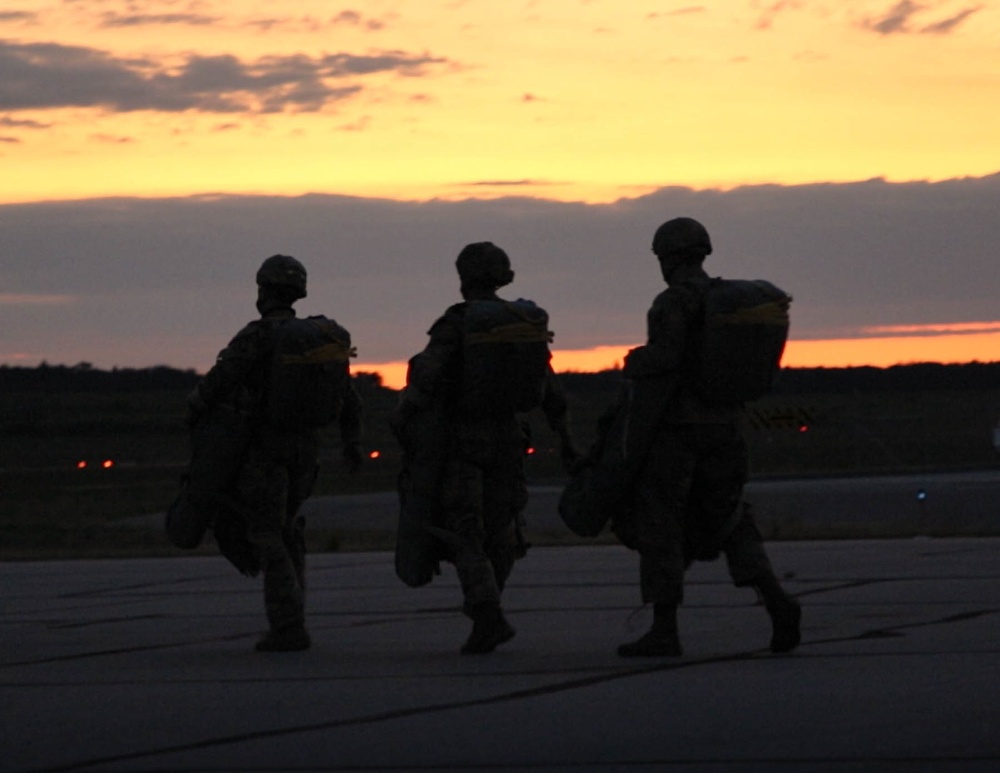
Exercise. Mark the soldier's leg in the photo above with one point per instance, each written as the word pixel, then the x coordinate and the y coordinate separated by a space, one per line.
pixel 749 566
pixel 301 484
pixel 662 491
pixel 265 487
pixel 720 481
pixel 505 495
pixel 461 500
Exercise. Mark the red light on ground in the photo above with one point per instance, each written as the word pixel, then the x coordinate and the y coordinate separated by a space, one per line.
pixel 529 451
pixel 81 465
pixel 803 428
pixel 374 454
pixel 107 464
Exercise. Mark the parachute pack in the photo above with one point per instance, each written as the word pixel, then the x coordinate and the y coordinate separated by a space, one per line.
pixel 309 373
pixel 219 442
pixel 743 339
pixel 506 355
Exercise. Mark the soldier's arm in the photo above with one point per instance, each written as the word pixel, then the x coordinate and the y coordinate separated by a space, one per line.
pixel 555 406
pixel 230 371
pixel 668 324
pixel 351 416
pixel 429 369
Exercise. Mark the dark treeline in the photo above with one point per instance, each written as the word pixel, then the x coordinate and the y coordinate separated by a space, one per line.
pixel 83 377
pixel 918 377
pixel 900 378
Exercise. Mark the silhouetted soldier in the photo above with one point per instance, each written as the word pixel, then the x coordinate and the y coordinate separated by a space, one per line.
pixel 288 377
pixel 486 361
pixel 705 359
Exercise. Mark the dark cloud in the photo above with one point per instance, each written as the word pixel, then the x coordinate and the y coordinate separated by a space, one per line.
pixel 49 75
pixel 113 19
pixel 17 123
pixel 346 18
pixel 896 19
pixel 18 16
pixel 357 19
pixel 180 271
pixel 111 139
pixel 945 26
pixel 505 183
pixel 899 19
pixel 341 65
pixel 771 12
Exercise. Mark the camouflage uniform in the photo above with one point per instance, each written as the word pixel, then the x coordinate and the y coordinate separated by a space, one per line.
pixel 689 488
pixel 483 489
pixel 693 467
pixel 280 467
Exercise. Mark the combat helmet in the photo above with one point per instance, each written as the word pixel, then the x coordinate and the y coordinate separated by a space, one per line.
pixel 283 271
pixel 682 235
pixel 483 264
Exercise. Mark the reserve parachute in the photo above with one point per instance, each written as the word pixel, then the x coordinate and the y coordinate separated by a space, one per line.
pixel 309 373
pixel 742 340
pixel 505 355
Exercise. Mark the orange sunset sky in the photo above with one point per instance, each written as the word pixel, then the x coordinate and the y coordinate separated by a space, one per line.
pixel 566 100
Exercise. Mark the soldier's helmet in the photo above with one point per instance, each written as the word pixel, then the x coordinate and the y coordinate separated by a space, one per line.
pixel 283 271
pixel 682 234
pixel 483 264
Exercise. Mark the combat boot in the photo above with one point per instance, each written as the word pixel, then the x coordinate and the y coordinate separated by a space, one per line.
pixel 490 629
pixel 288 640
pixel 786 617
pixel 785 613
pixel 660 641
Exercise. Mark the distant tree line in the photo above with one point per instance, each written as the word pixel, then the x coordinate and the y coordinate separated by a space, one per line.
pixel 83 377
pixel 919 377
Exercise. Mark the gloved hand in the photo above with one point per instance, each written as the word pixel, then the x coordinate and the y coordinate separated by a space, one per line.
pixel 352 457
pixel 400 415
pixel 195 408
pixel 569 453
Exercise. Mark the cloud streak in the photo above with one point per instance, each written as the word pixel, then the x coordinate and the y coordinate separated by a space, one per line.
pixel 34 299
pixel 113 19
pixel 50 75
pixel 900 19
pixel 960 328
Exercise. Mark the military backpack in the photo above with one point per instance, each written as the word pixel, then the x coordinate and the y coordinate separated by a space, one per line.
pixel 309 373
pixel 505 355
pixel 742 340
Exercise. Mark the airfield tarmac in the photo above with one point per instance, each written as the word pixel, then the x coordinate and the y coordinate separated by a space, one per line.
pixel 958 503
pixel 148 665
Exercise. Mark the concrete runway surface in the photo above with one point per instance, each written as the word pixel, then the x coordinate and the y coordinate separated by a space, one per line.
pixel 148 665
pixel 960 503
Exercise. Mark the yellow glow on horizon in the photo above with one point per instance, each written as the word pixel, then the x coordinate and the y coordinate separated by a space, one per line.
pixel 880 352
pixel 563 99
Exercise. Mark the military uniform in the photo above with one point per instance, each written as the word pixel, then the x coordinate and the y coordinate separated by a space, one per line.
pixel 689 487
pixel 278 471
pixel 691 472
pixel 483 489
